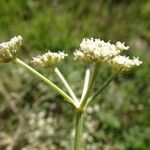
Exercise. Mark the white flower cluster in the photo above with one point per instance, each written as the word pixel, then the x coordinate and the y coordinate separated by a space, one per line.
pixel 98 50
pixel 8 50
pixel 124 63
pixel 49 59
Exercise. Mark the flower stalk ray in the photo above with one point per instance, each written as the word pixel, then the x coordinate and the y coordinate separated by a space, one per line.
pixel 105 84
pixel 65 83
pixel 48 82
pixel 91 85
pixel 86 83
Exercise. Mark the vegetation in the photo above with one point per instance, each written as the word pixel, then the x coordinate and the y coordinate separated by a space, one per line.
pixel 33 117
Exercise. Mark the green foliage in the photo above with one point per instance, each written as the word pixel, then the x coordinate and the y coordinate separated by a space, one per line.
pixel 121 120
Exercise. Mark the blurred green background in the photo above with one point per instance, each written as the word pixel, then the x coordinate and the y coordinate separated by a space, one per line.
pixel 33 117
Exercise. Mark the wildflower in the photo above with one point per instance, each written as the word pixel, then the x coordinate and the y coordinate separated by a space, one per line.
pixel 49 59
pixel 8 50
pixel 98 50
pixel 124 63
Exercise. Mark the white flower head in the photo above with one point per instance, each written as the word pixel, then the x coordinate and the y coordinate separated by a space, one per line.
pixel 49 59
pixel 8 50
pixel 124 63
pixel 98 50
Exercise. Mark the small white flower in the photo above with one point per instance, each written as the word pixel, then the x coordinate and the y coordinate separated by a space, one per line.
pixel 121 46
pixel 49 59
pixel 81 56
pixel 8 50
pixel 98 50
pixel 124 63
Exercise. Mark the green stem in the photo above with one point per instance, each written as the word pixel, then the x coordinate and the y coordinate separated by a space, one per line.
pixel 86 83
pixel 91 84
pixel 48 82
pixel 78 130
pixel 106 83
pixel 65 83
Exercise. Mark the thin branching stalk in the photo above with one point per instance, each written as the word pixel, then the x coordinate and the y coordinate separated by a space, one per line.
pixel 105 84
pixel 65 83
pixel 48 82
pixel 91 84
pixel 86 83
